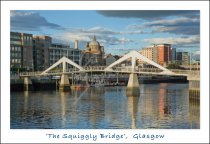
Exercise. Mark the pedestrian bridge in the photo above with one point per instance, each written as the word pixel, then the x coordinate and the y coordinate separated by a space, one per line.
pixel 145 71
pixel 114 67
pixel 133 70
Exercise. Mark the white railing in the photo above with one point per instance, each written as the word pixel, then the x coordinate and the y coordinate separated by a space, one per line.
pixel 30 73
pixel 101 68
pixel 115 69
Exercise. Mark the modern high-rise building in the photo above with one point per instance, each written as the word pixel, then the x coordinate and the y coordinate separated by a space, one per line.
pixel 93 54
pixel 164 53
pixel 15 50
pixel 173 55
pixel 159 53
pixel 57 51
pixel 155 54
pixel 37 53
pixel 27 44
pixel 149 52
pixel 183 58
pixel 21 50
pixel 41 45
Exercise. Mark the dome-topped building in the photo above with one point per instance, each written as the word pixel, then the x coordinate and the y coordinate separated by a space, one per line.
pixel 94 42
pixel 94 47
pixel 94 52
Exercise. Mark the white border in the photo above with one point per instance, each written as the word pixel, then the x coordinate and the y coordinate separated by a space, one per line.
pixel 39 136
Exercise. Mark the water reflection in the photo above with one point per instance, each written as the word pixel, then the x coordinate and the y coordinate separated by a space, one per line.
pixel 114 108
pixel 156 106
pixel 26 94
pixel 194 109
pixel 133 98
pixel 63 108
pixel 163 106
pixel 85 106
pixel 95 110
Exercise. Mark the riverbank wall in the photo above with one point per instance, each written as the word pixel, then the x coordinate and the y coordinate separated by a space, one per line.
pixel 53 84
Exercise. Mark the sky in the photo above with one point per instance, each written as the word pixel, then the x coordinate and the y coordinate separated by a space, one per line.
pixel 119 31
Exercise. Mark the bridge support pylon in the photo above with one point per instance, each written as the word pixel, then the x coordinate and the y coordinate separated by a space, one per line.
pixel 27 84
pixel 133 81
pixel 64 83
pixel 133 87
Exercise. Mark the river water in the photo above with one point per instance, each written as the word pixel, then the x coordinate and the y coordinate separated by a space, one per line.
pixel 156 106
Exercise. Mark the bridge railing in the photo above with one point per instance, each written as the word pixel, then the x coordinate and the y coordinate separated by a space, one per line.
pixel 155 70
pixel 94 67
pixel 192 72
pixel 54 71
pixel 29 73
pixel 137 69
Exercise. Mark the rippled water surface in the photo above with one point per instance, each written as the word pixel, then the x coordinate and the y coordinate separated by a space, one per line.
pixel 156 106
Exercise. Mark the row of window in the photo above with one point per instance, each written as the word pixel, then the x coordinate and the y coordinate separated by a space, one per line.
pixel 15 42
pixel 16 55
pixel 64 51
pixel 54 61
pixel 61 55
pixel 58 57
pixel 64 54
pixel 14 48
pixel 27 40
pixel 15 37
pixel 15 60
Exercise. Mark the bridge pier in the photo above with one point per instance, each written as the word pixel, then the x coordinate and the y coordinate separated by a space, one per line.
pixel 133 81
pixel 64 83
pixel 27 84
pixel 133 87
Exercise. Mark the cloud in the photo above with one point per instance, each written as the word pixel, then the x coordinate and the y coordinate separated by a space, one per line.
pixel 190 41
pixel 173 22
pixel 147 14
pixel 86 34
pixel 112 40
pixel 30 21
pixel 101 30
pixel 106 37
pixel 180 25
pixel 196 55
pixel 133 32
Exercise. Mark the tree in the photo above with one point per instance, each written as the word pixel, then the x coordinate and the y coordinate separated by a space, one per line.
pixel 173 66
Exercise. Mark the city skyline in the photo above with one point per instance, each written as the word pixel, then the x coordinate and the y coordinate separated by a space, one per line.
pixel 118 31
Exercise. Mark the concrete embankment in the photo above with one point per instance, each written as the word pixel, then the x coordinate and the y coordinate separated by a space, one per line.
pixel 46 84
pixel 52 84
pixel 194 86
